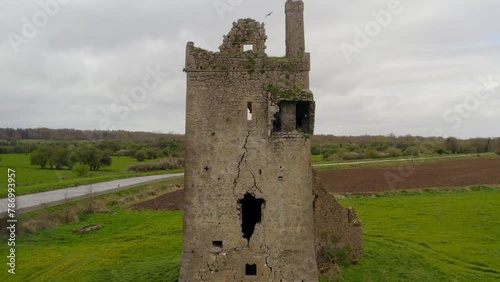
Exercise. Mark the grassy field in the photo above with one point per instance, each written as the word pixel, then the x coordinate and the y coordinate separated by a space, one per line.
pixel 430 236
pixel 131 246
pixel 33 179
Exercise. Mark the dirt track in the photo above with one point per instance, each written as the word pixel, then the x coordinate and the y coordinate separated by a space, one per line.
pixel 443 174
pixel 361 180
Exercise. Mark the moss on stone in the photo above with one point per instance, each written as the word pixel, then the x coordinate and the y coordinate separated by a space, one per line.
pixel 284 93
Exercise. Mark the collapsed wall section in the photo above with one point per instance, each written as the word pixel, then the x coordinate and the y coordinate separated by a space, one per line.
pixel 338 231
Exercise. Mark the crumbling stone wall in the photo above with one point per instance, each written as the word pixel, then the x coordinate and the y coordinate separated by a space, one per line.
pixel 245 32
pixel 338 231
pixel 249 202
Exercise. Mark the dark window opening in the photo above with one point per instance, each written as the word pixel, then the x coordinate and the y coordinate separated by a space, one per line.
pixel 302 116
pixel 260 171
pixel 281 178
pixel 206 168
pixel 277 122
pixel 249 112
pixel 251 214
pixel 251 270
pixel 293 116
pixel 217 244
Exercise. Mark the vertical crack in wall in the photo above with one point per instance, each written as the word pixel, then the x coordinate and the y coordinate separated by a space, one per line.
pixel 241 161
pixel 255 183
pixel 220 221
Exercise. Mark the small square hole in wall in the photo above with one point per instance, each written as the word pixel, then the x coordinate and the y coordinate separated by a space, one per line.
pixel 247 47
pixel 251 270
pixel 217 244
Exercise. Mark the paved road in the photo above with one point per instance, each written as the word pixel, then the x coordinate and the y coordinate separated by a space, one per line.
pixel 53 198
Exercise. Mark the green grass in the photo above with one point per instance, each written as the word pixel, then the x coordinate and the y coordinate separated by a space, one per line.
pixel 131 246
pixel 410 236
pixel 32 179
pixel 431 236
pixel 317 158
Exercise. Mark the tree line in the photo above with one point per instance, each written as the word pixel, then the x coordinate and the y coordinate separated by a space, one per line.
pixel 60 157
pixel 159 148
pixel 363 147
pixel 147 145
pixel 18 134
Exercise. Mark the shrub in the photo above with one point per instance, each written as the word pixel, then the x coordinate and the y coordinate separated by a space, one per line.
pixel 42 222
pixel 412 151
pixel 327 155
pixel 394 152
pixel 81 170
pixel 106 160
pixel 372 154
pixel 440 151
pixel 354 156
pixel 151 154
pixel 140 156
pixel 92 206
pixel 69 214
pixel 166 164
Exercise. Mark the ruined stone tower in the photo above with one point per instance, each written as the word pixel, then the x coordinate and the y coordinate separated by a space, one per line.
pixel 249 212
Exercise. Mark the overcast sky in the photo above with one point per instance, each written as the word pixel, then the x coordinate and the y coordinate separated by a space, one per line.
pixel 378 67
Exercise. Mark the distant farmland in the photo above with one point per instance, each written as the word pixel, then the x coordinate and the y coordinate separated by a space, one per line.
pixel 413 176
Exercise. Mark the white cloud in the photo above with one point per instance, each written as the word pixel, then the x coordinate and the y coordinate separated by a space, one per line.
pixel 93 52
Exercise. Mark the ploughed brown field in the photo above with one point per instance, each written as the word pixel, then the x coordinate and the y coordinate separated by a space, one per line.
pixel 168 202
pixel 379 179
pixel 417 176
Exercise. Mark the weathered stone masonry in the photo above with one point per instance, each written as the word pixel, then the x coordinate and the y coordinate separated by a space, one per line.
pixel 249 212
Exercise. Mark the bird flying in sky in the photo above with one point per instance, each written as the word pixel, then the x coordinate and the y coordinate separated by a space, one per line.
pixel 269 14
